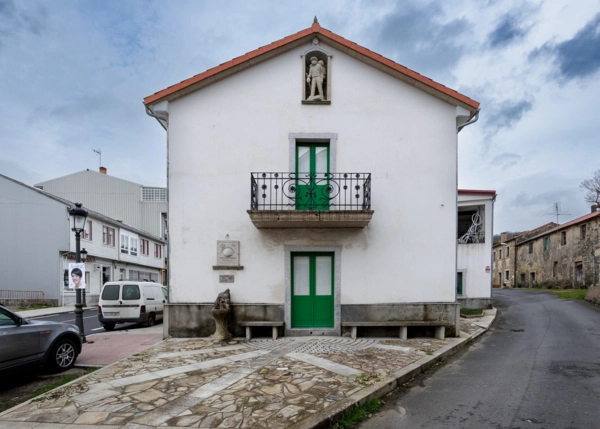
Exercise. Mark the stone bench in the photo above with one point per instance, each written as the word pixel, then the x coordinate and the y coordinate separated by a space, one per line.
pixel 440 326
pixel 249 325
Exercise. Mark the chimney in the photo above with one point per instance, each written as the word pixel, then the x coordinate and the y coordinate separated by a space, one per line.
pixel 594 208
pixel 503 237
pixel 102 170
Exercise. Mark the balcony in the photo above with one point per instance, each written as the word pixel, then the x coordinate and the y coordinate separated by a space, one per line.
pixel 310 200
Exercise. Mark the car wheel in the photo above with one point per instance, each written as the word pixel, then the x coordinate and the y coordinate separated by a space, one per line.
pixel 151 319
pixel 108 326
pixel 63 355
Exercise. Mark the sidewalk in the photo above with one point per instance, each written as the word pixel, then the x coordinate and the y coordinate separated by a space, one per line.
pixel 263 383
pixel 106 348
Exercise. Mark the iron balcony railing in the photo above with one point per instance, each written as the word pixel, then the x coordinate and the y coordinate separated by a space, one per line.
pixel 310 191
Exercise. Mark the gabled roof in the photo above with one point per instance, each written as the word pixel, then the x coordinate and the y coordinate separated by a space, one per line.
pixel 87 172
pixel 579 220
pixel 69 204
pixel 363 54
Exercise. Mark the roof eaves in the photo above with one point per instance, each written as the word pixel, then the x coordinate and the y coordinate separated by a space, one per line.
pixel 264 52
pixel 420 81
pixel 93 213
pixel 183 87
pixel 477 192
pixel 564 226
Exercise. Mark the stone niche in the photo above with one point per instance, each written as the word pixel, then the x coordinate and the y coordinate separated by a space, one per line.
pixel 316 72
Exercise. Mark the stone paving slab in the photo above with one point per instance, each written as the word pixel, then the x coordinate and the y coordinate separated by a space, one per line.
pixel 204 383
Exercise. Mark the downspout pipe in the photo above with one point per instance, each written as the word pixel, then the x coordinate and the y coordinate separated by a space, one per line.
pixel 474 118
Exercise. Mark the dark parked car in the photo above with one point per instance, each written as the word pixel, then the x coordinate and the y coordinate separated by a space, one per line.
pixel 26 342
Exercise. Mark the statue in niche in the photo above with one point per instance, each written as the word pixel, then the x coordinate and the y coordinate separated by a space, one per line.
pixel 220 312
pixel 315 78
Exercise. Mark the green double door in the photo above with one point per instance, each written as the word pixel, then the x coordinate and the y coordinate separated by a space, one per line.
pixel 312 180
pixel 312 290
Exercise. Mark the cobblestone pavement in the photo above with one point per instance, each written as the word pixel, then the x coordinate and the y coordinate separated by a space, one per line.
pixel 262 383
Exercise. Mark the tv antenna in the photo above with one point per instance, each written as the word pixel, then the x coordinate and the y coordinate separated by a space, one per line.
pixel 557 211
pixel 99 153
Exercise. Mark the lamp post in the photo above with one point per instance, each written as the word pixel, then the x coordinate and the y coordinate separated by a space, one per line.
pixel 79 216
pixel 83 254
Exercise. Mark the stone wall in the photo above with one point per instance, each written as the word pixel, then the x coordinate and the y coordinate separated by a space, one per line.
pixel 195 320
pixel 192 320
pixel 593 295
pixel 476 303
pixel 569 260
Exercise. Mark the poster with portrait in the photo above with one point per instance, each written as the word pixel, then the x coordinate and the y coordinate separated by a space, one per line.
pixel 77 275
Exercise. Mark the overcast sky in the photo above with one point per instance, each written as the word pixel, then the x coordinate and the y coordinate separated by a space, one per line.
pixel 73 75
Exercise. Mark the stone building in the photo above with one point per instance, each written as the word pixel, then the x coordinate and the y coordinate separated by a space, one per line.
pixel 503 262
pixel 561 257
pixel 503 256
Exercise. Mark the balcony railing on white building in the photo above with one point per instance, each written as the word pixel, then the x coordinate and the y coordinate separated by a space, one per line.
pixel 310 191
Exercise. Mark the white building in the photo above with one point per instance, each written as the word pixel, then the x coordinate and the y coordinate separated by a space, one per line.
pixel 475 236
pixel 312 207
pixel 38 246
pixel 143 207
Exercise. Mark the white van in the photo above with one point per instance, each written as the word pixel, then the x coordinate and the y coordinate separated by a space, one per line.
pixel 131 301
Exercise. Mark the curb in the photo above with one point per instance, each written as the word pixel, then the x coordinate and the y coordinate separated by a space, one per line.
pixel 83 377
pixel 327 418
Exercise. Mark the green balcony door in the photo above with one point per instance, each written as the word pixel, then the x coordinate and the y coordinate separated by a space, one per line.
pixel 312 290
pixel 312 176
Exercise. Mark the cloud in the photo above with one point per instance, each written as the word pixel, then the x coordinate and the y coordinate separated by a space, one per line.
pixel 421 39
pixel 575 58
pixel 506 160
pixel 13 20
pixel 506 32
pixel 580 56
pixel 506 114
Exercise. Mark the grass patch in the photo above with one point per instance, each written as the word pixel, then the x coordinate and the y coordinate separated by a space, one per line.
pixel 569 293
pixel 367 379
pixel 30 307
pixel 27 389
pixel 65 379
pixel 358 414
pixel 471 312
pixel 51 386
pixel 565 293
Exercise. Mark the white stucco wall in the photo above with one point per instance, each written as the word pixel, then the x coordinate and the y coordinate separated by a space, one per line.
pixel 474 260
pixel 36 231
pixel 406 138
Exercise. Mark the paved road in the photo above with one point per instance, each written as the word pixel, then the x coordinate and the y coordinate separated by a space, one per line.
pixel 537 367
pixel 91 325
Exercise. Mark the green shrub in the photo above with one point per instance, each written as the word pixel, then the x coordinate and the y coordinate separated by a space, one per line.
pixel 358 413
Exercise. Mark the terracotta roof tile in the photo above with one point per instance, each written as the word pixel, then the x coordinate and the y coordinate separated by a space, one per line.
pixel 477 192
pixel 315 29
pixel 564 225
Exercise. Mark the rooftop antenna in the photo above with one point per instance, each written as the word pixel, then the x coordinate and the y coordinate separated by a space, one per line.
pixel 557 211
pixel 99 153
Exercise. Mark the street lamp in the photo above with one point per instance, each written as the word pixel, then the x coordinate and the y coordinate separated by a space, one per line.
pixel 83 253
pixel 79 217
